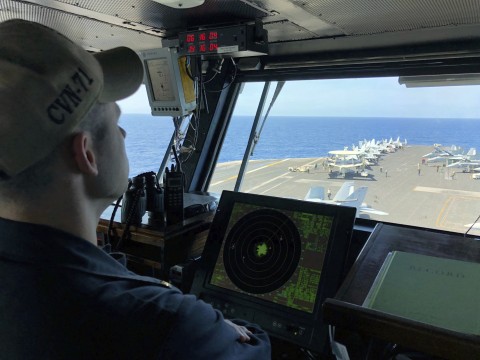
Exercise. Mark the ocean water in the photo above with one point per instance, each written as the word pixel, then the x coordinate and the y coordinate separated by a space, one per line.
pixel 297 137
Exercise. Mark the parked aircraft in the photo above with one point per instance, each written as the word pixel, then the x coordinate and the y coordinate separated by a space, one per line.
pixel 371 150
pixel 347 160
pixel 398 144
pixel 347 195
pixel 465 166
pixel 450 157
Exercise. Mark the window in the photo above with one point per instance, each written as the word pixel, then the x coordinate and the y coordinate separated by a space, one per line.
pixel 402 155
pixel 148 136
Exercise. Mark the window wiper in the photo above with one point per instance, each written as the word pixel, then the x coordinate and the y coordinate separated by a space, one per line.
pixel 254 135
pixel 278 89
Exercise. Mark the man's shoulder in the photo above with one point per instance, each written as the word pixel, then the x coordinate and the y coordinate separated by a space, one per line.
pixel 130 290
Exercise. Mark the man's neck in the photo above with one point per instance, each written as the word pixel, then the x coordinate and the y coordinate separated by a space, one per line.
pixel 63 214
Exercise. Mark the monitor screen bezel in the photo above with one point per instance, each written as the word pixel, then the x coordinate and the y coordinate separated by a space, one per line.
pixel 336 255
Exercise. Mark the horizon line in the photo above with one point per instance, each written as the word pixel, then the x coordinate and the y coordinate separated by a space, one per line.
pixel 334 116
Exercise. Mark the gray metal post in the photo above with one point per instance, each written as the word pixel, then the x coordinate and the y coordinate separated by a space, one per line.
pixel 253 133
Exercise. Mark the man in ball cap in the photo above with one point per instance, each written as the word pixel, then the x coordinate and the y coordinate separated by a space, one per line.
pixel 62 162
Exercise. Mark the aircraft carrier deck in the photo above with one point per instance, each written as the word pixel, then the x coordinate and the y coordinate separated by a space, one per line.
pixel 430 198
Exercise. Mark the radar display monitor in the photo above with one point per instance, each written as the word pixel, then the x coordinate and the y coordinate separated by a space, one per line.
pixel 273 261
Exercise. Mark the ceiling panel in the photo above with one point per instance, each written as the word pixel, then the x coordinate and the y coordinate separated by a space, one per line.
pixel 172 20
pixel 90 33
pixel 381 16
pixel 142 24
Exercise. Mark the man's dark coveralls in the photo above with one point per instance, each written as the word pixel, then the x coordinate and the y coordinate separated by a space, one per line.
pixel 61 297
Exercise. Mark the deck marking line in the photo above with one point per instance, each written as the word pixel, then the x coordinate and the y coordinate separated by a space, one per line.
pixel 268 165
pixel 441 215
pixel 222 181
pixel 446 191
pixel 273 187
pixel 248 172
pixel 314 181
pixel 265 183
pixel 269 181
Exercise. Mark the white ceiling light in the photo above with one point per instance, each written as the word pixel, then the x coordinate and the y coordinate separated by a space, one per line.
pixel 180 4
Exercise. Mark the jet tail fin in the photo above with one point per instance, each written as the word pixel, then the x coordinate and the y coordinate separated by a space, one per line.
pixel 355 199
pixel 344 192
pixel 315 193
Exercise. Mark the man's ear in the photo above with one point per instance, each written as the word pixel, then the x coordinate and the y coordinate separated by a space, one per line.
pixel 84 154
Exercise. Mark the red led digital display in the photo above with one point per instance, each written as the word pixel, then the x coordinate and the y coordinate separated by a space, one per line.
pixel 238 40
pixel 189 38
pixel 203 42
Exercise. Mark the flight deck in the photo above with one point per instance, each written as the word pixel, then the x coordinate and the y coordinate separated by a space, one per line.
pixel 410 191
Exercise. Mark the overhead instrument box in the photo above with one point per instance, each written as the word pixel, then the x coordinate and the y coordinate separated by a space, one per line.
pixel 170 90
pixel 233 41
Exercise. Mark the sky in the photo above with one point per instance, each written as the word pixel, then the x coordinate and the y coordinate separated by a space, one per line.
pixel 379 97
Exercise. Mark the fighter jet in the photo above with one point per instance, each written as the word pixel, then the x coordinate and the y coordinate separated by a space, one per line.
pixel 347 195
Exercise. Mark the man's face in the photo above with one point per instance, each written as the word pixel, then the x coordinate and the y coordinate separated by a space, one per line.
pixel 111 155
